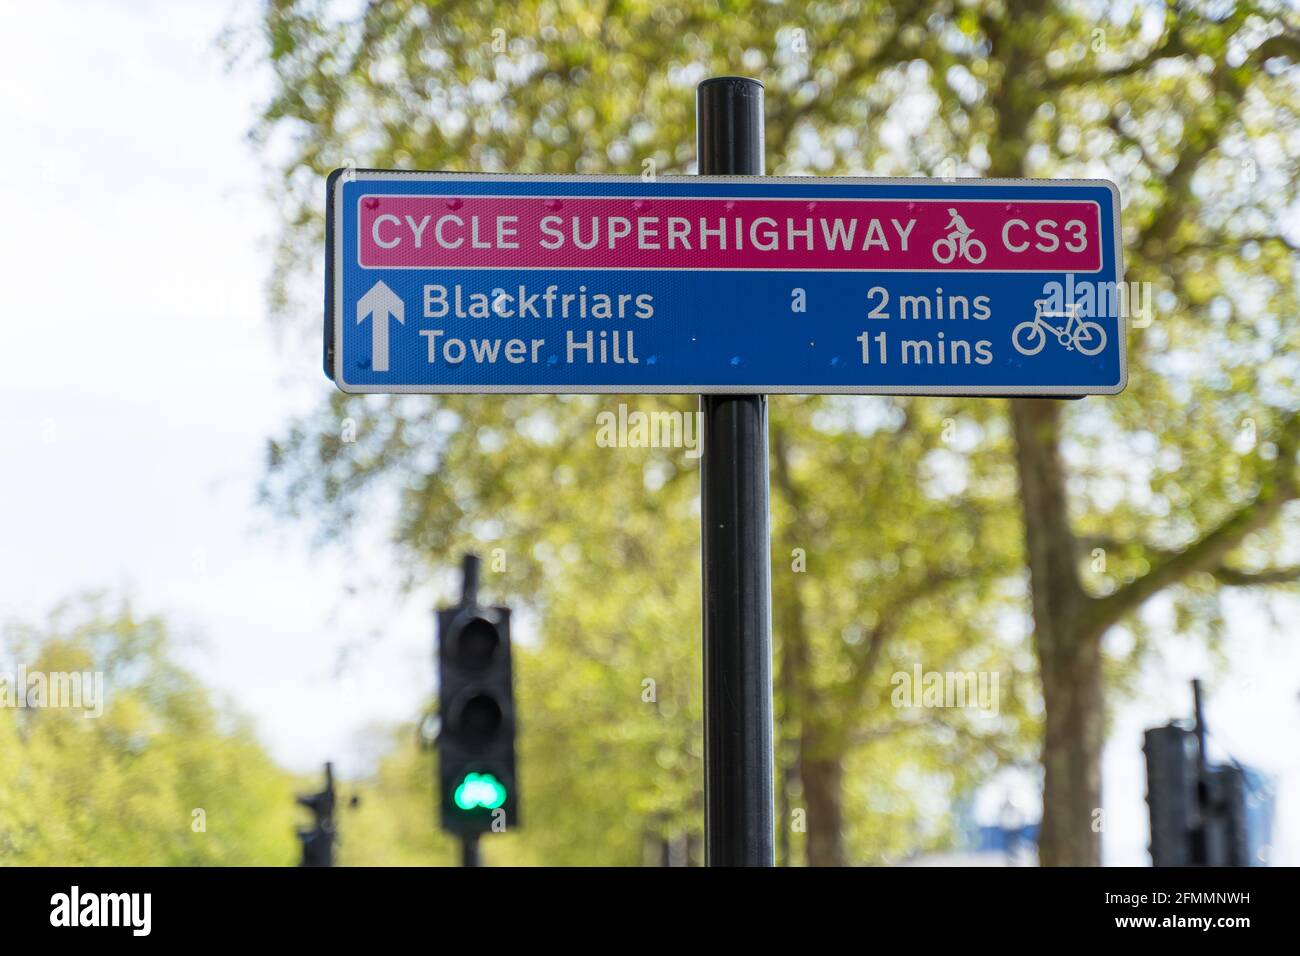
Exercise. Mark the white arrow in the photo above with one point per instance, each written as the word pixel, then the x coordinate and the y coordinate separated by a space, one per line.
pixel 379 303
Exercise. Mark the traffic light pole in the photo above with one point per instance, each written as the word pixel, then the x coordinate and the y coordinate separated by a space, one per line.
pixel 737 576
pixel 318 842
pixel 469 566
pixel 468 598
pixel 469 851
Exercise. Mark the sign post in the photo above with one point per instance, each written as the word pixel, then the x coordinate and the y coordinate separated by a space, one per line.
pixel 731 285
pixel 736 545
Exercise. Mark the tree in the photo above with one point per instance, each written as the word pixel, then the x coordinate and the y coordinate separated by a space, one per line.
pixel 602 544
pixel 1188 107
pixel 142 767
pixel 1204 71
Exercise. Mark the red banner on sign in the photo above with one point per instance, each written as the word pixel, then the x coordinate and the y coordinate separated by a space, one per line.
pixel 519 232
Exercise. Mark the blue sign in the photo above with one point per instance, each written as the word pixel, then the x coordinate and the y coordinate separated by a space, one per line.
pixel 447 282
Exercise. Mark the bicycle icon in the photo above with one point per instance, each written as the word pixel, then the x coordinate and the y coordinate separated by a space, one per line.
pixel 958 242
pixel 1077 335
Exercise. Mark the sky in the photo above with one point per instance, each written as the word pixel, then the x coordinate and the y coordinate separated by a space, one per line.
pixel 136 420
pixel 141 380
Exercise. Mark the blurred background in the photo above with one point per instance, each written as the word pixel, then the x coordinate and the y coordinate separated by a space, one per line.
pixel 250 559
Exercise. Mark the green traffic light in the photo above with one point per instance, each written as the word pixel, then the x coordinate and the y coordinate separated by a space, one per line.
pixel 480 790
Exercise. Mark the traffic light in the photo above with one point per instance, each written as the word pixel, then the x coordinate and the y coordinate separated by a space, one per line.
pixel 1202 814
pixel 1171 793
pixel 1224 819
pixel 477 787
pixel 318 842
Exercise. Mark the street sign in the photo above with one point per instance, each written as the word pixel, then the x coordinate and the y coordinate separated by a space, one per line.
pixel 455 282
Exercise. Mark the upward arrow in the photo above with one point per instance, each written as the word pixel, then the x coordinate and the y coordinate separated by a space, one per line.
pixel 379 303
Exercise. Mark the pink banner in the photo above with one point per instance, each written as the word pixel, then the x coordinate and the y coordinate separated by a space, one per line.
pixel 528 232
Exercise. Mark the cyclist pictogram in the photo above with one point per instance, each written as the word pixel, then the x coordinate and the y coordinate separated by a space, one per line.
pixel 958 242
pixel 1077 335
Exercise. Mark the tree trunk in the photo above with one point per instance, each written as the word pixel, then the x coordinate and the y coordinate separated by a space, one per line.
pixel 1069 654
pixel 815 762
pixel 1072 743
pixel 822 777
pixel 1067 645
pixel 818 749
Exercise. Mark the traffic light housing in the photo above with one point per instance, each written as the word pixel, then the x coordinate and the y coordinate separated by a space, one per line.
pixel 1203 814
pixel 318 841
pixel 477 785
pixel 1171 793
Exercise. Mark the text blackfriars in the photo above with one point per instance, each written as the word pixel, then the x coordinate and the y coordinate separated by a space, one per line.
pixel 524 303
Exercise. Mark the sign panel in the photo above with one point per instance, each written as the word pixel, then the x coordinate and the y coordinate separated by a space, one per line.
pixel 452 282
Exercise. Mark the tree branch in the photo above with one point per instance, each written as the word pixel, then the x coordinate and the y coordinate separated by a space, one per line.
pixel 890 52
pixel 1221 243
pixel 1007 756
pixel 1233 577
pixel 1223 573
pixel 1201 140
pixel 1113 123
pixel 1208 552
pixel 1285 44
pixel 859 676
pixel 1170 48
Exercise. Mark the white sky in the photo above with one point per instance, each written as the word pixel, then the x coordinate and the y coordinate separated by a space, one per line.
pixel 140 382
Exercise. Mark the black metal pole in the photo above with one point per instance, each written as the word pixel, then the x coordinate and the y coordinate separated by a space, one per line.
pixel 1198 712
pixel 469 851
pixel 469 566
pixel 735 541
pixel 468 598
pixel 318 842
